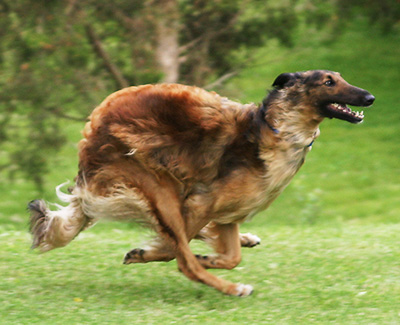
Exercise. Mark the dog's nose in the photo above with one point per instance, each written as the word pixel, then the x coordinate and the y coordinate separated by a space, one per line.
pixel 369 99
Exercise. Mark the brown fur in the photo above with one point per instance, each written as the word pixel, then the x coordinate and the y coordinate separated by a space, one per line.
pixel 191 164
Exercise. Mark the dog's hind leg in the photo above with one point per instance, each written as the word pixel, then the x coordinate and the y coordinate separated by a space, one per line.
pixel 156 251
pixel 226 241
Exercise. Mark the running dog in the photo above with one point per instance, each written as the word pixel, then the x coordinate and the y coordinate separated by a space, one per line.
pixel 191 164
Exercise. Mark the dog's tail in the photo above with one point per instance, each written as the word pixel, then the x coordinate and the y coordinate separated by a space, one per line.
pixel 52 229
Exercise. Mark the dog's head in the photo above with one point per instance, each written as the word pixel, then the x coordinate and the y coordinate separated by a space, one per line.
pixel 326 92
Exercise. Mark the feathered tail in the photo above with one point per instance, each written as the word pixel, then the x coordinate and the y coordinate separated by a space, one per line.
pixel 52 229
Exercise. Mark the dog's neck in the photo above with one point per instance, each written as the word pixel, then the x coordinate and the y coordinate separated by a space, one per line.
pixel 294 126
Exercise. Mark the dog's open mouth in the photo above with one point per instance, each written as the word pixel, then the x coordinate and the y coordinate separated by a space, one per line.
pixel 342 112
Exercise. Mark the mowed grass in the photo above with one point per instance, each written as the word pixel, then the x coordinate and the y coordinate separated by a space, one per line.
pixel 330 244
pixel 347 274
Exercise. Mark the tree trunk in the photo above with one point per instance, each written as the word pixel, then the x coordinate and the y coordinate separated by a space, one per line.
pixel 167 51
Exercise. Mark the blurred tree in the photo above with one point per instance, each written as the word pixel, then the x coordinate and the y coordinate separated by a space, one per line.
pixel 383 13
pixel 340 14
pixel 58 59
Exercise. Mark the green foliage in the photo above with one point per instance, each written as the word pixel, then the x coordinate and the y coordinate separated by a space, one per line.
pixel 60 59
pixel 382 13
pixel 47 72
pixel 219 28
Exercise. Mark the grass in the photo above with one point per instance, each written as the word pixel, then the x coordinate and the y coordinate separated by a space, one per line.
pixel 330 248
pixel 346 274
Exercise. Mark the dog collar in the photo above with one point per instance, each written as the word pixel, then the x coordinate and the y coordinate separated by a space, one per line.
pixel 276 131
pixel 263 110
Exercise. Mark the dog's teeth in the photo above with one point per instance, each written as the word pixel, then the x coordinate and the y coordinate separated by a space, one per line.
pixel 359 114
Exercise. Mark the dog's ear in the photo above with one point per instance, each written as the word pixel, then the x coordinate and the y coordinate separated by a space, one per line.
pixel 285 80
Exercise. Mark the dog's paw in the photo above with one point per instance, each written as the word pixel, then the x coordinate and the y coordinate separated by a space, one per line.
pixel 134 256
pixel 249 240
pixel 206 261
pixel 243 290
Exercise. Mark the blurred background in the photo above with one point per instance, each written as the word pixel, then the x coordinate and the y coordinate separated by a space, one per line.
pixel 59 59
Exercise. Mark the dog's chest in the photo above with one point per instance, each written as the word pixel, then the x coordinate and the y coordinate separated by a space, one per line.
pixel 248 193
pixel 282 166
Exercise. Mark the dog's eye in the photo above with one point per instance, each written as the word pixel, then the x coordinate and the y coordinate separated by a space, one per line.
pixel 329 83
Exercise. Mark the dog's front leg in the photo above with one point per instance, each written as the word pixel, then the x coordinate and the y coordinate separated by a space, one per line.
pixel 226 241
pixel 209 235
pixel 172 229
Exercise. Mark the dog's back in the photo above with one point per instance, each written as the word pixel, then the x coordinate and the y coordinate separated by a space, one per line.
pixel 181 129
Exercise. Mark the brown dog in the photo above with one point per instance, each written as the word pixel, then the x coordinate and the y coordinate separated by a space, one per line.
pixel 191 164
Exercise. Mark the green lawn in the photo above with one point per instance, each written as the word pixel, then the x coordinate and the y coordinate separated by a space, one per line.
pixel 347 274
pixel 330 247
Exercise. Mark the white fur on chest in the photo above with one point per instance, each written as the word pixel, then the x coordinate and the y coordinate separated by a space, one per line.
pixel 283 166
pixel 280 172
